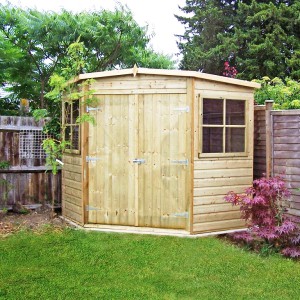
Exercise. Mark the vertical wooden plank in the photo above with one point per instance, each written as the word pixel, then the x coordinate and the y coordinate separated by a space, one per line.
pixel 91 167
pixel 173 204
pixel 130 195
pixel 115 154
pixel 138 100
pixel 102 155
pixel 165 157
pixel 192 142
pixel 157 162
pixel 269 105
pixel 107 199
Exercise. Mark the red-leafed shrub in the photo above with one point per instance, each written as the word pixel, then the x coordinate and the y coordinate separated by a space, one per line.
pixel 264 207
pixel 229 71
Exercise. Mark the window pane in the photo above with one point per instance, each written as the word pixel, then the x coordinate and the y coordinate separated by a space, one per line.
pixel 213 111
pixel 75 110
pixel 75 137
pixel 67 113
pixel 212 140
pixel 235 112
pixel 68 136
pixel 235 140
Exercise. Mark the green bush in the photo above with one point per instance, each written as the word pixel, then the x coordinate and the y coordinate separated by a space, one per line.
pixel 286 94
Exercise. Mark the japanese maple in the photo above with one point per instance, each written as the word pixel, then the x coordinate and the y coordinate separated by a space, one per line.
pixel 264 208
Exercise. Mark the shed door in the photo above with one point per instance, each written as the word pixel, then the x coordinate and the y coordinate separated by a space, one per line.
pixel 122 191
pixel 162 143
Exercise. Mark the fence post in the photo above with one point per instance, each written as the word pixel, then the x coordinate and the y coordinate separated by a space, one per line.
pixel 269 132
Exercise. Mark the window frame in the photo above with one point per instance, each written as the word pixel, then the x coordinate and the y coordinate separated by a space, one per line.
pixel 229 96
pixel 71 125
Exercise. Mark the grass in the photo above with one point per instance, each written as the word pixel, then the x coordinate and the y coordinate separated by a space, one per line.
pixel 74 264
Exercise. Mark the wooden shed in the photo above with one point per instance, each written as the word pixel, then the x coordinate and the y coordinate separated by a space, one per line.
pixel 167 146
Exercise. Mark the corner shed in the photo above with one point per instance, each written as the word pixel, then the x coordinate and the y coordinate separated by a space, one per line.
pixel 167 146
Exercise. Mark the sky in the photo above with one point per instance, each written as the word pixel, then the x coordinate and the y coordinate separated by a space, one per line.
pixel 157 14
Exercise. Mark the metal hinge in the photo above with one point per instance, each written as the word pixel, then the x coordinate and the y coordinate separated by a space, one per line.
pixel 89 208
pixel 92 158
pixel 88 109
pixel 139 161
pixel 184 214
pixel 182 109
pixel 183 162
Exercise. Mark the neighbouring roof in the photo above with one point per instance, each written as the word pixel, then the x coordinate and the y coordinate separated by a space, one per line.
pixel 134 71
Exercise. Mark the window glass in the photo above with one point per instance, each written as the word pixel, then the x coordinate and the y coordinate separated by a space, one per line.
pixel 235 140
pixel 67 107
pixel 72 130
pixel 215 128
pixel 212 139
pixel 235 112
pixel 75 137
pixel 213 111
pixel 75 111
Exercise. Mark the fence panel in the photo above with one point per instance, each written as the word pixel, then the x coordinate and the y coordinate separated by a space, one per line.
pixel 277 149
pixel 26 181
pixel 286 152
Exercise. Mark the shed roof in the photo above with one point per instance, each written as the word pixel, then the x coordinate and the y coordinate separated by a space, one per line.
pixel 179 73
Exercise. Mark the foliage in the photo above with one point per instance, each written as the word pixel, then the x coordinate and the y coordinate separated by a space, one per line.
pixel 263 206
pixel 286 94
pixel 54 149
pixel 4 164
pixel 229 71
pixel 257 37
pixel 95 265
pixel 34 45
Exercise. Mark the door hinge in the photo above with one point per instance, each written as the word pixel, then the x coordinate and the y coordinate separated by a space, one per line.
pixel 183 162
pixel 139 161
pixel 88 109
pixel 184 214
pixel 89 208
pixel 92 158
pixel 182 109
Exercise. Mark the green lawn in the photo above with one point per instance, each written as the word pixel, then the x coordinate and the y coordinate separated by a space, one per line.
pixel 74 264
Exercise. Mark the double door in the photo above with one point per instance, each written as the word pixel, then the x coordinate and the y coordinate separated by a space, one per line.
pixel 138 161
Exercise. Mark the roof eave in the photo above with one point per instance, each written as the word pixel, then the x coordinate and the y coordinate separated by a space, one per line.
pixel 163 72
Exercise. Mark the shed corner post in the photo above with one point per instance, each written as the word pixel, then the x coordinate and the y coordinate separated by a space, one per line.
pixel 190 142
pixel 269 135
pixel 84 154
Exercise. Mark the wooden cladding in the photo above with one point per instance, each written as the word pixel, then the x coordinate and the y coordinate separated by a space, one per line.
pixel 72 188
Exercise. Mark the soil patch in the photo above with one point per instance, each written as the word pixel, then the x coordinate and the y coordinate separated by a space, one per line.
pixel 35 220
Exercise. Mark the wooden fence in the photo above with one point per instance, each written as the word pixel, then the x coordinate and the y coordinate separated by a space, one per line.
pixel 277 148
pixel 26 181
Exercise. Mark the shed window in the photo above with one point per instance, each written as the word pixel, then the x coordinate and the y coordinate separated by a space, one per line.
pixel 223 126
pixel 72 129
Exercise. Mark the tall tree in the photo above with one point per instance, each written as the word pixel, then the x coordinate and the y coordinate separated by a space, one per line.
pixel 38 42
pixel 258 37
